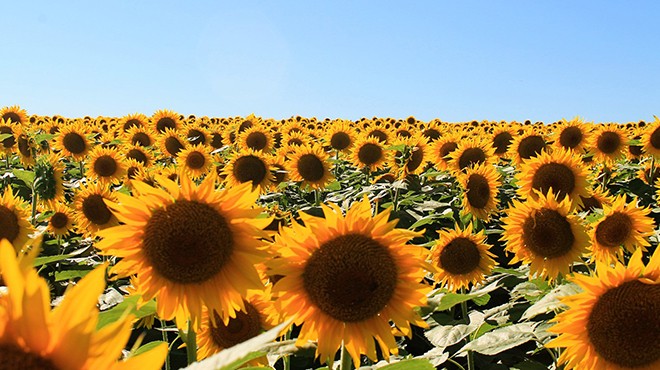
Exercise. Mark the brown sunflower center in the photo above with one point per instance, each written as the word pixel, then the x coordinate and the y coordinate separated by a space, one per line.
pixel 614 230
pixel 216 140
pixel 195 160
pixel 132 123
pixel 608 142
pixel 141 139
pixel 244 326
pixel 24 146
pixel 370 153
pixel 460 256
pixel 9 227
pixel 471 156
pixel 530 146
pixel 590 204
pixel 249 168
pixel 415 159
pixel 13 357
pixel 477 191
pixel 340 141
pixel 12 117
pixel 188 242
pixel 256 140
pixel 138 155
pixel 447 148
pixel 105 166
pixel 570 137
pixel 624 324
pixel 351 277
pixel 165 123
pixel 555 176
pixel 59 220
pixel 548 234
pixel 378 134
pixel 95 210
pixel 279 173
pixel 501 142
pixel 295 141
pixel 173 145
pixel 310 167
pixel 196 137
pixel 655 138
pixel 432 134
pixel 74 143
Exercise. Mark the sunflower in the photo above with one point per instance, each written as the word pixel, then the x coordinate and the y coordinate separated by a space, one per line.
pixel 8 144
pixel 572 135
pixel 26 148
pixel 480 184
pixel 164 119
pixel 139 135
pixel 48 183
pixel 340 135
pixel 278 170
pixel 91 206
pixel 194 161
pixel 442 148
pixel 543 233
pixel 310 165
pixel 623 224
pixel 432 130
pixel 597 200
pixel 415 156
pixel 256 138
pixel 171 143
pixel 608 143
pixel 470 152
pixel 614 323
pixel 345 277
pixel 196 134
pixel 502 137
pixel 133 120
pixel 14 114
pixel 379 132
pixel 294 139
pixel 191 246
pixel 462 258
pixel 61 221
pixel 649 172
pixel 259 315
pixel 527 145
pixel 14 224
pixel 72 141
pixel 562 171
pixel 139 153
pixel 106 165
pixel 651 138
pixel 248 166
pixel 370 153
pixel 32 336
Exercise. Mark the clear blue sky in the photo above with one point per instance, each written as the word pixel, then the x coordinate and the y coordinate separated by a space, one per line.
pixel 454 60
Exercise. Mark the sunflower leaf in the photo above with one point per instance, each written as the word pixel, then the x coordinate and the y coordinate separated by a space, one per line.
pixel 500 340
pixel 128 304
pixel 446 335
pixel 26 176
pixel 551 301
pixel 410 364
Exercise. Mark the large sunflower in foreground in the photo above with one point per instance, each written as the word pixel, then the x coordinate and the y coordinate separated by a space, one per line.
pixel 624 224
pixel 480 184
pixel 345 278
pixel 562 171
pixel 462 258
pixel 32 336
pixel 190 246
pixel 614 323
pixel 541 232
pixel 14 224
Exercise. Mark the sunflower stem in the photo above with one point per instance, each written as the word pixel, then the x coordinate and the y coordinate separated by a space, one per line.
pixel 164 333
pixel 34 206
pixel 346 361
pixel 82 169
pixel 191 344
pixel 464 311
pixel 287 358
pixel 456 363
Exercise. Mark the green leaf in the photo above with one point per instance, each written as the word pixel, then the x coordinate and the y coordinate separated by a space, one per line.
pixel 500 340
pixel 5 136
pixel 445 301
pixel 71 274
pixel 410 364
pixel 43 137
pixel 26 176
pixel 40 261
pixel 482 300
pixel 129 304
pixel 446 335
pixel 147 347
pixel 240 354
pixel 551 300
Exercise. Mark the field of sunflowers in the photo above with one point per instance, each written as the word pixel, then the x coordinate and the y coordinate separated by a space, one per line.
pixel 171 241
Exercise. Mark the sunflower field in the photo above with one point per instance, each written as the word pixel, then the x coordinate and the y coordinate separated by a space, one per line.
pixel 171 241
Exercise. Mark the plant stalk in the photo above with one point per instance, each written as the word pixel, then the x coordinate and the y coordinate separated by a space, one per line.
pixel 464 311
pixel 191 344
pixel 164 333
pixel 346 360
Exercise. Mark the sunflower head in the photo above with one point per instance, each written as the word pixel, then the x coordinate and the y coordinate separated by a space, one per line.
pixel 527 145
pixel 370 153
pixel 106 165
pixel 14 224
pixel 72 141
pixel 133 120
pixel 171 143
pixel 48 183
pixel 195 161
pixel 165 119
pixel 14 114
pixel 310 165
pixel 340 135
pixel 572 135
pixel 480 184
pixel 61 221
pixel 442 148
pixel 471 152
pixel 256 138
pixel 651 138
pixel 91 206
pixel 139 135
pixel 608 143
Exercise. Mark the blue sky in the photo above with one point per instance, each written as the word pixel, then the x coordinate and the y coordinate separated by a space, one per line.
pixel 457 61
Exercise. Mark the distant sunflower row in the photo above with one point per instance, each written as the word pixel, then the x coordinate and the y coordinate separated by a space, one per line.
pixel 184 206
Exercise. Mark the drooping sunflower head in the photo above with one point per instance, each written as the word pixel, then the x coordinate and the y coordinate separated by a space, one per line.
pixel 48 174
pixel 106 165
pixel 572 135
pixel 133 120
pixel 249 166
pixel 91 208
pixel 527 145
pixel 480 184
pixel 608 143
pixel 370 152
pixel 310 165
pixel 26 147
pixel 471 152
pixel 543 233
pixel 340 135
pixel 195 161
pixel 613 323
pixel 165 119
pixel 462 258
pixel 343 278
pixel 624 225
pixel 72 141
pixel 14 224
pixel 257 138
pixel 171 143
pixel 560 171
pixel 193 245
